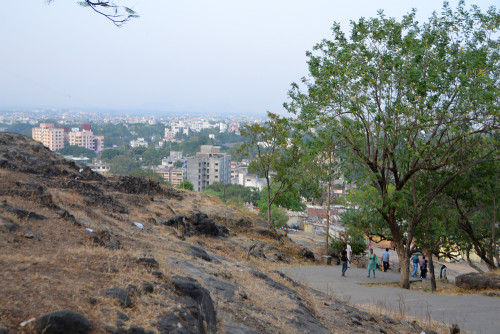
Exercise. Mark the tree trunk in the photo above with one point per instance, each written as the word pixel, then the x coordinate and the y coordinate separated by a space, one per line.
pixel 472 265
pixel 431 271
pixel 328 217
pixel 269 215
pixel 404 264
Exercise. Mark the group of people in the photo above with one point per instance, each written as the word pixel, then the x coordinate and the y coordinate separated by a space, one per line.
pixel 345 257
pixel 416 262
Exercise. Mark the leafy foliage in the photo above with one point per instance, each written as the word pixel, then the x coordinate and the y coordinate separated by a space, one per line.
pixel 355 236
pixel 405 99
pixel 233 193
pixel 279 216
pixel 148 174
pixel 186 185
pixel 123 164
pixel 278 156
pixel 77 151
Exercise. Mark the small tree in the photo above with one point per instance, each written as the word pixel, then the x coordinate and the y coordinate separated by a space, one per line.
pixel 278 156
pixel 186 184
pixel 355 236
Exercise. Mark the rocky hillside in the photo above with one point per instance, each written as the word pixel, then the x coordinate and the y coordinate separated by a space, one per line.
pixel 84 253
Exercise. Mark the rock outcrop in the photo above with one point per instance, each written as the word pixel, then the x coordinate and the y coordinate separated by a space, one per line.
pixel 476 281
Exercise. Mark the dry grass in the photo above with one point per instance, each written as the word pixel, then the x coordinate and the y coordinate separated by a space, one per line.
pixel 400 313
pixel 66 270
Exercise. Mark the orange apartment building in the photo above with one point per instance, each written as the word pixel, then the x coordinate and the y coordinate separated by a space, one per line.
pixel 174 176
pixel 49 135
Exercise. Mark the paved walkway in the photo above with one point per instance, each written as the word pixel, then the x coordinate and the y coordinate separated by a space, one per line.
pixel 474 313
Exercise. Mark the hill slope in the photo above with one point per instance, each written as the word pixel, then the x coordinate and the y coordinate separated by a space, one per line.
pixel 133 256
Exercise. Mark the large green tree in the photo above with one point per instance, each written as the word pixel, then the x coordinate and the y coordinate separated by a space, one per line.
pixel 406 98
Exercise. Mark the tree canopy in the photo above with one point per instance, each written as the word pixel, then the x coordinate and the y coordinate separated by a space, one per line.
pixel 404 99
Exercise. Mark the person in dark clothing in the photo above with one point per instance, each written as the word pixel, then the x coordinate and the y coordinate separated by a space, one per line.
pixel 423 270
pixel 344 259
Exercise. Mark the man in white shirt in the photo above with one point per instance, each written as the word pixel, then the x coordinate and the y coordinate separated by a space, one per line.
pixel 349 253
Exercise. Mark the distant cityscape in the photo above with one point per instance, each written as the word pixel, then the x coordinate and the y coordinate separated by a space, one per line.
pixel 60 130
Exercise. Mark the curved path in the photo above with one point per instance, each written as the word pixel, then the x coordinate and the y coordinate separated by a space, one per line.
pixel 474 313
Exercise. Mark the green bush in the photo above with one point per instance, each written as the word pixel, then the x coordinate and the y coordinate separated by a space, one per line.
pixel 356 238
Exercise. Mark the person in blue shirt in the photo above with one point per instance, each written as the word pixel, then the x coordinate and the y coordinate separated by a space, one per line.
pixel 414 261
pixel 385 259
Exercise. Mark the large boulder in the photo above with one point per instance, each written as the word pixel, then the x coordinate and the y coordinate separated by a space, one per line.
pixel 197 223
pixel 359 261
pixel 477 281
pixel 62 322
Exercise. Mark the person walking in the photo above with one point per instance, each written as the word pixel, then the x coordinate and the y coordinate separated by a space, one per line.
pixel 372 262
pixel 385 259
pixel 343 258
pixel 421 262
pixel 414 261
pixel 349 253
pixel 423 270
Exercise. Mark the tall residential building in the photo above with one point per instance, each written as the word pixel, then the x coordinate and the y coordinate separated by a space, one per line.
pixel 172 159
pixel 49 136
pixel 208 166
pixel 174 176
pixel 86 138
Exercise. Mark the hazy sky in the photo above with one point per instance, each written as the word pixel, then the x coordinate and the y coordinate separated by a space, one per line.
pixel 227 56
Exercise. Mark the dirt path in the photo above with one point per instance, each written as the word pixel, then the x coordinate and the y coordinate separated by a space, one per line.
pixel 475 313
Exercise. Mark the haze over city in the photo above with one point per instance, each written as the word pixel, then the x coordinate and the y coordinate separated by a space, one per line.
pixel 178 57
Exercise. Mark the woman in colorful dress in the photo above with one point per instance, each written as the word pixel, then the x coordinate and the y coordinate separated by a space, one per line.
pixel 372 262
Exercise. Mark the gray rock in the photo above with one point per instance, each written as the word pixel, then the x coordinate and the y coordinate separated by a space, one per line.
pixel 389 320
pixel 148 262
pixel 8 226
pixel 62 322
pixel 113 330
pixel 189 287
pixel 306 254
pixel 268 232
pixel 4 329
pixel 133 329
pixel 477 281
pixel 122 316
pixel 31 235
pixel 147 287
pixel 120 295
pixel 197 223
pixel 169 323
pixel 199 252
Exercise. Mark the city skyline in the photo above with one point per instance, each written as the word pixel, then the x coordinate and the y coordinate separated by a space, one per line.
pixel 177 58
